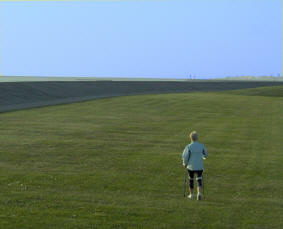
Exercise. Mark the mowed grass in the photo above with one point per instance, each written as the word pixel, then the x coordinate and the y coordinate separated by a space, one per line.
pixel 116 163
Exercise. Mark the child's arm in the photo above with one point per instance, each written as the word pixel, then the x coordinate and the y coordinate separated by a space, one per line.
pixel 204 153
pixel 186 156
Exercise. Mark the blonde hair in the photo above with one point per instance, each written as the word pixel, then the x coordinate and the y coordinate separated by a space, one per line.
pixel 194 136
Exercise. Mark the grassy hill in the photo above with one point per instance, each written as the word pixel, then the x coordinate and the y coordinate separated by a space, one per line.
pixel 273 91
pixel 116 162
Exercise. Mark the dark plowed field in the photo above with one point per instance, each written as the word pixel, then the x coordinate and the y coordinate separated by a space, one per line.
pixel 21 95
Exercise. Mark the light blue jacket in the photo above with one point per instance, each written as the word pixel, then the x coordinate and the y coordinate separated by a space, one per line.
pixel 193 156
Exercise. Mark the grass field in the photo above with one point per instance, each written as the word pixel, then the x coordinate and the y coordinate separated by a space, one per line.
pixel 116 162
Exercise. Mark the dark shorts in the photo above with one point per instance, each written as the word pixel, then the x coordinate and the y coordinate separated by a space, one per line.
pixel 192 173
pixel 198 177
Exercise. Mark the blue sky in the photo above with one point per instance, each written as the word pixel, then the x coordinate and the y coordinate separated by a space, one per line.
pixel 163 39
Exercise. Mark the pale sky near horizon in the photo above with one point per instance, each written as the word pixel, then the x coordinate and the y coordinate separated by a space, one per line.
pixel 163 39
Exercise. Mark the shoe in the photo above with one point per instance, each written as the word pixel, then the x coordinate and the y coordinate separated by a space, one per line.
pixel 191 196
pixel 199 197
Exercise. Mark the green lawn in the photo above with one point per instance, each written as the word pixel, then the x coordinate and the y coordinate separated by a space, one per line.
pixel 116 162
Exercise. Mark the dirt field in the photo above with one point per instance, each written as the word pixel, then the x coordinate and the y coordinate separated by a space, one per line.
pixel 22 95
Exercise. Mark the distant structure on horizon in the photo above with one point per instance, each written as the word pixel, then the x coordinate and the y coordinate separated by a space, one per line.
pixel 264 78
pixel 191 77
